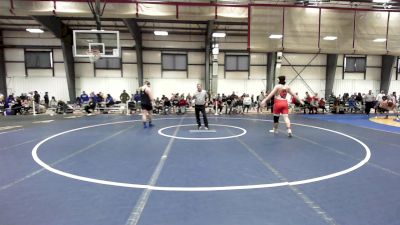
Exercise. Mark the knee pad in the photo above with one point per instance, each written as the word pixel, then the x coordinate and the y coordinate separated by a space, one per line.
pixel 276 119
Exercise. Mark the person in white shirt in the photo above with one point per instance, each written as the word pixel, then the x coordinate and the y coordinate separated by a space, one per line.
pixel 200 99
pixel 369 102
pixel 246 103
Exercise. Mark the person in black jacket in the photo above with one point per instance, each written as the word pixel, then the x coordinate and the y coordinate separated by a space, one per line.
pixel 91 106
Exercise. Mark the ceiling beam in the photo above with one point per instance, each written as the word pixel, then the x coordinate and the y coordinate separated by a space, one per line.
pixel 136 33
pixel 54 25
pixel 64 33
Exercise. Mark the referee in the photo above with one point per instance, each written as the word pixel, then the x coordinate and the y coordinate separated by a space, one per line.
pixel 200 97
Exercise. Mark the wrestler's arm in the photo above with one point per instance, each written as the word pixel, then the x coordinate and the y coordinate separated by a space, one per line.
pixel 149 93
pixel 263 102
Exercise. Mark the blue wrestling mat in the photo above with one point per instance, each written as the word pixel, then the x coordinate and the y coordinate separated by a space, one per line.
pixel 358 120
pixel 108 170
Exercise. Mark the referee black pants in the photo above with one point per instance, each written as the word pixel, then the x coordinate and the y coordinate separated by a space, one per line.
pixel 202 109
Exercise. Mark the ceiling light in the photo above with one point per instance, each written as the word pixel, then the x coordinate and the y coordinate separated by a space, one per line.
pixel 275 36
pixel 219 34
pixel 34 30
pixel 330 38
pixel 380 40
pixel 160 33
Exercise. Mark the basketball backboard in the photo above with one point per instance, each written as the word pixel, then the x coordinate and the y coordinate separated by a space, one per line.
pixel 106 42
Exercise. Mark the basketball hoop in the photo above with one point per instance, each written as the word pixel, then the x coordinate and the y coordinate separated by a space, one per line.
pixel 93 55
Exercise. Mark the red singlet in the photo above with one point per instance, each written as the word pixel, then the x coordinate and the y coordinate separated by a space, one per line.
pixel 281 106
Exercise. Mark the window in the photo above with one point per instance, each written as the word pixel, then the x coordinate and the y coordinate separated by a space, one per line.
pixel 237 63
pixel 174 62
pixel 38 59
pixel 355 64
pixel 108 63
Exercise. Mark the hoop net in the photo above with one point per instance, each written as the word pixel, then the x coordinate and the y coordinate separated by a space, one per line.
pixel 93 55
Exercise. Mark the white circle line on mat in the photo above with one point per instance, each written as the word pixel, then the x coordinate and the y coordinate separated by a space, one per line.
pixel 199 189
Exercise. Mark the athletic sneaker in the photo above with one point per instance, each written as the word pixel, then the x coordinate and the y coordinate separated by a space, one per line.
pixel 205 128
pixel 289 132
pixel 198 127
pixel 145 126
pixel 273 131
pixel 151 125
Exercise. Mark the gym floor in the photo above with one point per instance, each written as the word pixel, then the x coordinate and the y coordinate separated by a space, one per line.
pixel 108 170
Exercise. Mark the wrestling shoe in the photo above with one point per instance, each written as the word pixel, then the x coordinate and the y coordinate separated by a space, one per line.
pixel 275 131
pixel 289 132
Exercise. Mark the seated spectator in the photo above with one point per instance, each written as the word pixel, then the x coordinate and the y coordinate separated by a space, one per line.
pixel 84 98
pixel 78 102
pixel 321 105
pixel 313 107
pixel 307 102
pixel 9 101
pixel 182 104
pixel 2 103
pixel 353 105
pixel 294 101
pixel 109 101
pixel 16 107
pixel 53 102
pixel 26 105
pixel 336 106
pixel 166 106
pixel 158 105
pixel 63 108
pixel 219 105
pixel 91 106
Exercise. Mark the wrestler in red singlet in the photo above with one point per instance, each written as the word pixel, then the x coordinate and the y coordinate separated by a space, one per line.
pixel 281 106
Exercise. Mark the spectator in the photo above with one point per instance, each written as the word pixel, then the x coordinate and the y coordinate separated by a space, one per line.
pixel 16 108
pixel 369 102
pixel 124 97
pixel 166 105
pixel 352 105
pixel 84 98
pixel 182 106
pixel 91 106
pixel 9 101
pixel 295 100
pixel 218 105
pixel 109 100
pixel 36 97
pixel 46 99
pixel 53 102
pixel 246 103
pixel 259 99
pixel 2 103
pixel 321 105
